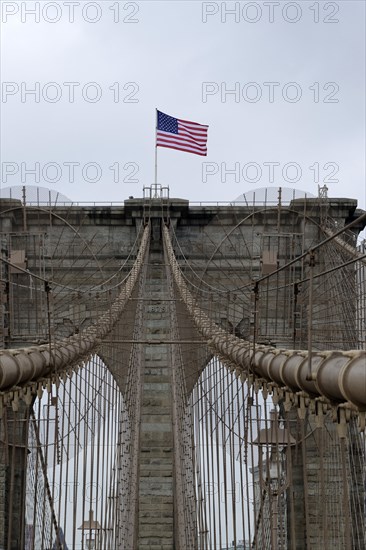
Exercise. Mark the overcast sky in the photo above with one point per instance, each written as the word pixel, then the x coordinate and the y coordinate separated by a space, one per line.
pixel 296 116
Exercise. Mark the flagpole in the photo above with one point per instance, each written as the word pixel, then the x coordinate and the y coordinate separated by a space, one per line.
pixel 156 151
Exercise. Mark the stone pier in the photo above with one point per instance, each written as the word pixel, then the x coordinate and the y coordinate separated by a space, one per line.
pixel 155 514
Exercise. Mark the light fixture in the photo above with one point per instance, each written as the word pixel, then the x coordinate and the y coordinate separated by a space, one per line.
pixel 90 529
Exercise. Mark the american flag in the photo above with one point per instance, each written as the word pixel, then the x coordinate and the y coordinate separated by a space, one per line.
pixel 183 135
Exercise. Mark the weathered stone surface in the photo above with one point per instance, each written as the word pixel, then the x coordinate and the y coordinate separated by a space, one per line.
pixel 156 460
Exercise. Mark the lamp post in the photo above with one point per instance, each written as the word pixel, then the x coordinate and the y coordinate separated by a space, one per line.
pixel 90 530
pixel 274 439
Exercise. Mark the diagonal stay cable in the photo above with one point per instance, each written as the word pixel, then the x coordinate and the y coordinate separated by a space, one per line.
pixel 21 366
pixel 337 375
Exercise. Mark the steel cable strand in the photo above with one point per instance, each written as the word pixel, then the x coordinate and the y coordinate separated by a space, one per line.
pixel 21 366
pixel 343 245
pixel 337 375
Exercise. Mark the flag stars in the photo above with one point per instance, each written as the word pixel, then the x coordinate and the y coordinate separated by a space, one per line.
pixel 167 123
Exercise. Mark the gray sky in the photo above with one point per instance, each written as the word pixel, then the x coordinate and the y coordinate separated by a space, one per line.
pixel 183 58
